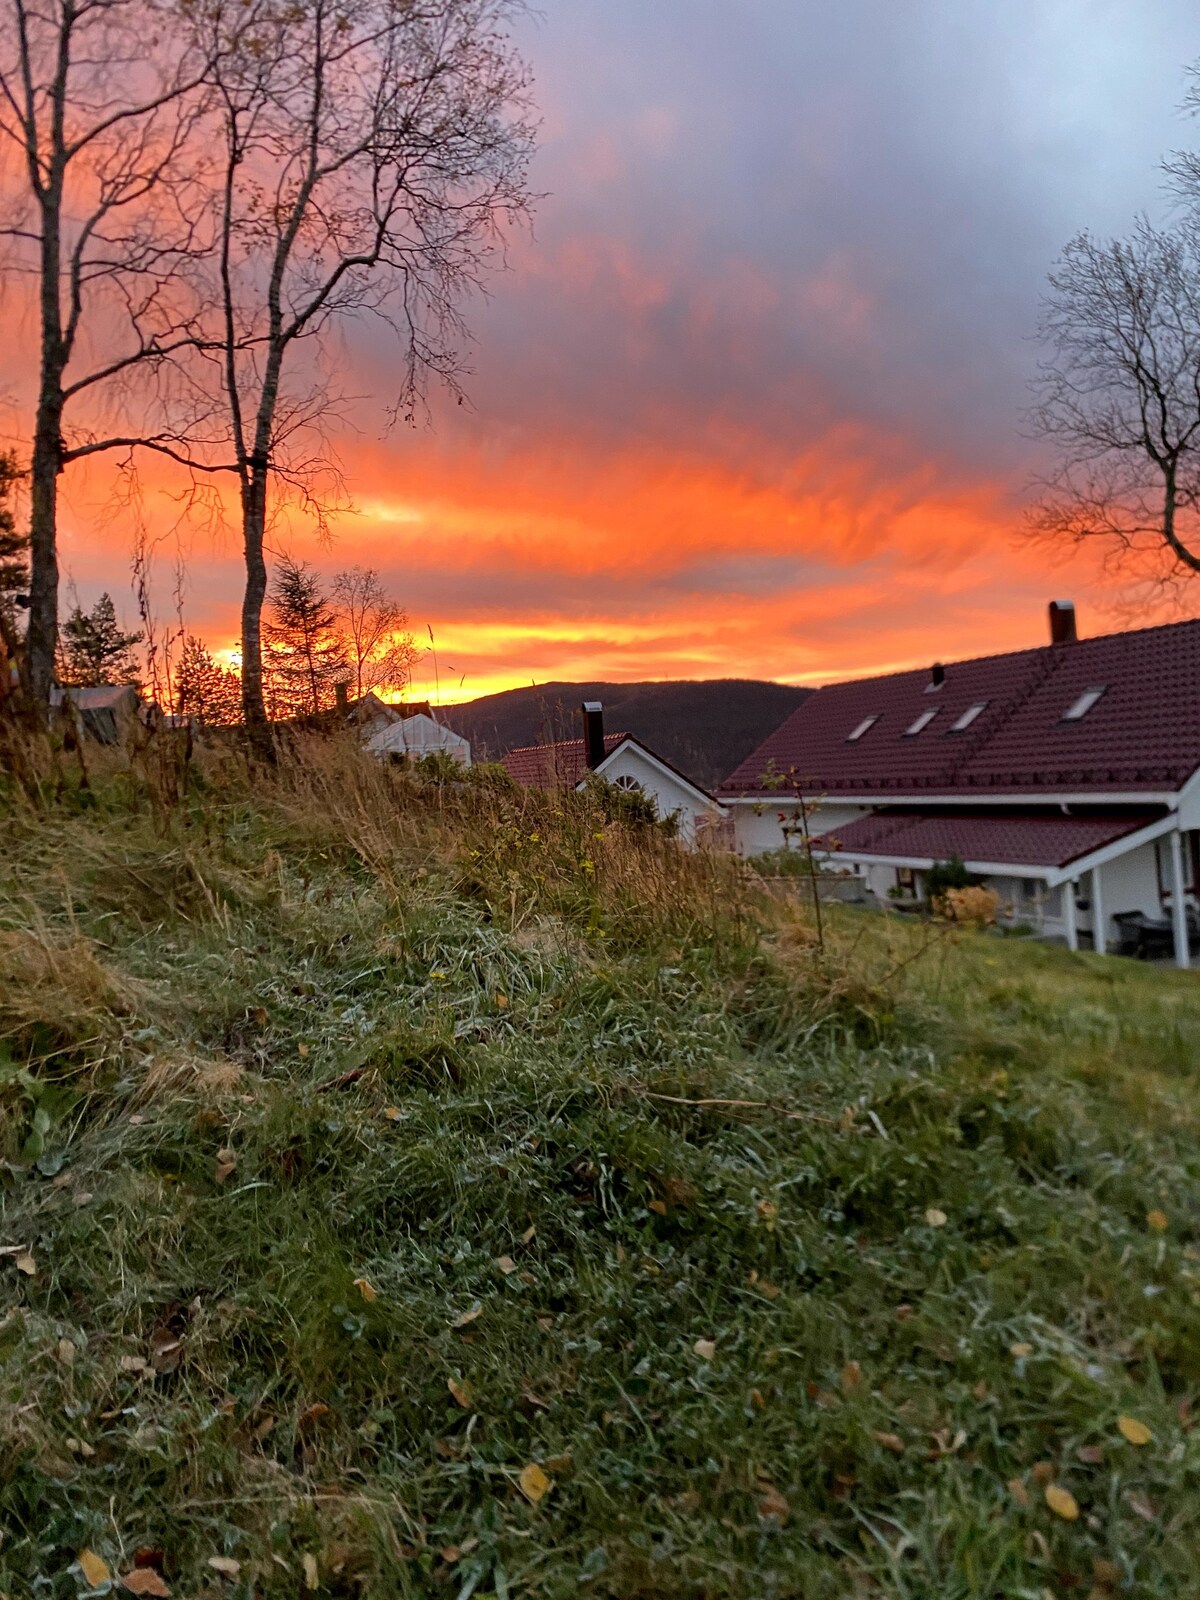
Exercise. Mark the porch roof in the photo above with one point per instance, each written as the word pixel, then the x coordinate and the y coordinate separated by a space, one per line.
pixel 979 841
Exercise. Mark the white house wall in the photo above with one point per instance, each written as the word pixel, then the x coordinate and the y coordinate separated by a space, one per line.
pixel 757 828
pixel 660 785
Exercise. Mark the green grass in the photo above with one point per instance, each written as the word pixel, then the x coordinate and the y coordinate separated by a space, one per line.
pixel 307 1069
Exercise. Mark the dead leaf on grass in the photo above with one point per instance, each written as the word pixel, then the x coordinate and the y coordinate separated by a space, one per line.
pixel 851 1376
pixel 1018 1491
pixel 366 1289
pixel 94 1568
pixel 534 1483
pixel 506 1264
pixel 25 1263
pixel 705 1348
pixel 772 1506
pixel 468 1317
pixel 1062 1502
pixel 1136 1432
pixel 1092 1455
pixel 936 1218
pixel 144 1580
pixel 312 1576
pixel 1157 1220
pixel 460 1391
pixel 225 1565
pixel 65 1351
pixel 892 1442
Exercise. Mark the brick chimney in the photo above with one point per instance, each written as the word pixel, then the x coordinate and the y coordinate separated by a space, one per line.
pixel 593 732
pixel 1062 622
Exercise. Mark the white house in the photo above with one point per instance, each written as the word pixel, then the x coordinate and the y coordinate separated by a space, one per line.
pixel 1068 777
pixel 399 730
pixel 622 760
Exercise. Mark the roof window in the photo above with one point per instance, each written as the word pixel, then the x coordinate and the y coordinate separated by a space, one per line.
pixel 969 715
pixel 922 721
pixel 864 726
pixel 1081 707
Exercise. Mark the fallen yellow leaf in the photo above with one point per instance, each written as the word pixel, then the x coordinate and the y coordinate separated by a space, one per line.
pixel 528 1236
pixel 460 1391
pixel 705 1349
pixel 26 1264
pixel 468 1317
pixel 935 1218
pixel 366 1288
pixel 94 1568
pixel 225 1565
pixel 1019 1350
pixel 1133 1430
pixel 66 1352
pixel 1062 1502
pixel 506 1265
pixel 393 1113
pixel 1157 1220
pixel 534 1483
pixel 312 1577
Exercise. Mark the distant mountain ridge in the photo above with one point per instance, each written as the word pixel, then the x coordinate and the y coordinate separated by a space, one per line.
pixel 705 727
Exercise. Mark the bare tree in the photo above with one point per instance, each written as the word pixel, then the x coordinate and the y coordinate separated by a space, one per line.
pixel 379 646
pixel 1119 399
pixel 372 151
pixel 98 105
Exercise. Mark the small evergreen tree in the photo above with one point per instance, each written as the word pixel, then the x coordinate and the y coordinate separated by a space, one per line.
pixel 94 649
pixel 14 544
pixel 205 690
pixel 305 654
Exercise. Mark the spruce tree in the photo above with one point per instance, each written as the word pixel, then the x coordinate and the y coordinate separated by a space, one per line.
pixel 94 650
pixel 14 544
pixel 305 654
pixel 204 690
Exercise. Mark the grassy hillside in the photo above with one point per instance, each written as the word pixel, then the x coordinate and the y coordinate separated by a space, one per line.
pixel 705 728
pixel 421 1190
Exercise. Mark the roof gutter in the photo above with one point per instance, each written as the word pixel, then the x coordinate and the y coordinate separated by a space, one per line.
pixel 819 797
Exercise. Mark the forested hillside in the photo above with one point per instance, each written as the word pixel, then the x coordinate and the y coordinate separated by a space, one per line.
pixel 705 727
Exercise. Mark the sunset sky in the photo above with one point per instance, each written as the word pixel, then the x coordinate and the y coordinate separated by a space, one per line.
pixel 747 401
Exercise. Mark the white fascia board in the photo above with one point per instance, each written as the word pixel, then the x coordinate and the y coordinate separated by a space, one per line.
pixel 1110 852
pixel 663 770
pixel 990 869
pixel 878 802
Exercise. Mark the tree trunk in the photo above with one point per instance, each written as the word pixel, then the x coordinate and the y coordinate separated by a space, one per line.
pixel 254 520
pixel 41 640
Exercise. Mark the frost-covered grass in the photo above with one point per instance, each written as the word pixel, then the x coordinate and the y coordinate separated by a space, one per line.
pixel 369 1141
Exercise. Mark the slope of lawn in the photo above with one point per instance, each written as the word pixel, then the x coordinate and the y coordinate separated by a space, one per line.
pixel 417 1188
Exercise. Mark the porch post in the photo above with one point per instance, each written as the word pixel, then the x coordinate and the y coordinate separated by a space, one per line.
pixel 1070 918
pixel 1099 926
pixel 1178 908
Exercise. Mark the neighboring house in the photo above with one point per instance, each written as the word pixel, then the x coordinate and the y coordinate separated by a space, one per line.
pixel 619 759
pixel 1067 776
pixel 406 730
pixel 106 713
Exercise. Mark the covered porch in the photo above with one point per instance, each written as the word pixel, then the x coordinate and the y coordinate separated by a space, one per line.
pixel 1118 877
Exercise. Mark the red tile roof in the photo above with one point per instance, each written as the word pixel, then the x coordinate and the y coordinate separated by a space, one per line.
pixel 997 840
pixel 1143 735
pixel 562 765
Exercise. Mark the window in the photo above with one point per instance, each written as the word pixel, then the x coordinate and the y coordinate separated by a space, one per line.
pixel 629 783
pixel 969 715
pixel 922 721
pixel 864 726
pixel 1081 707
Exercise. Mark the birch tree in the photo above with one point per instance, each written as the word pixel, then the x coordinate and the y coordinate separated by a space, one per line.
pixel 1118 402
pixel 371 151
pixel 99 102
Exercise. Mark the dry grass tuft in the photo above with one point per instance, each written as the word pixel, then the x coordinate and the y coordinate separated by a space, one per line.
pixel 57 995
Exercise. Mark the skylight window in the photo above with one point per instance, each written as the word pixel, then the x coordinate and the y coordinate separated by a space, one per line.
pixel 1084 704
pixel 864 726
pixel 922 721
pixel 969 715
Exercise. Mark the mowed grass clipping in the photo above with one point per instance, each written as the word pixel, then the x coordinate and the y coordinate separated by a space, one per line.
pixel 421 1188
